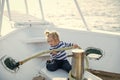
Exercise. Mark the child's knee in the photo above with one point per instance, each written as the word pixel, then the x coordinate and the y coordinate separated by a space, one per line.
pixel 51 67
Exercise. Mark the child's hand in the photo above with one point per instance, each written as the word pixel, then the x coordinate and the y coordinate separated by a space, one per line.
pixel 54 52
pixel 76 46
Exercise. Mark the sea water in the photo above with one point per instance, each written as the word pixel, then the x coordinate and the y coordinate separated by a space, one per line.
pixel 99 14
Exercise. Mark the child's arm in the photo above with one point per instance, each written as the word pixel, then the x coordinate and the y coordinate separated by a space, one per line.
pixel 71 44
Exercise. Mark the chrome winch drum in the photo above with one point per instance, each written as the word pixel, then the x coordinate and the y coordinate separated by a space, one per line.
pixel 77 71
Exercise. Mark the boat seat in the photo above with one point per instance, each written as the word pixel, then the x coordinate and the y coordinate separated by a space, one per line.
pixel 56 75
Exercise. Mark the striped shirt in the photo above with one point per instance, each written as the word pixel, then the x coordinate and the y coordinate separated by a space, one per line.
pixel 61 55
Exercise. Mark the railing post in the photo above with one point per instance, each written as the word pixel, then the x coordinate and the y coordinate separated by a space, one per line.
pixel 8 8
pixel 2 3
pixel 41 9
pixel 26 6
pixel 80 12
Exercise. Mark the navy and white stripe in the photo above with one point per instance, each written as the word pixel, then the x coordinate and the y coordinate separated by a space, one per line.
pixel 61 55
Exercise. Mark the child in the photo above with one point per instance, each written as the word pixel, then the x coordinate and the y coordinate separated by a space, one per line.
pixel 58 59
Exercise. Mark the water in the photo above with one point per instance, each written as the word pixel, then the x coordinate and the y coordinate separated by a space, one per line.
pixel 99 14
pixel 103 14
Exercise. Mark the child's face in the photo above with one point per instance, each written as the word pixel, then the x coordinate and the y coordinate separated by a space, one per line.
pixel 52 42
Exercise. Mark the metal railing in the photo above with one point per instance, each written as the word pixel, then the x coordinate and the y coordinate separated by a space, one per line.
pixel 2 3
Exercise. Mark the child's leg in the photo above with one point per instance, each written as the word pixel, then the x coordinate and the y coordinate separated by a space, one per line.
pixel 51 66
pixel 66 66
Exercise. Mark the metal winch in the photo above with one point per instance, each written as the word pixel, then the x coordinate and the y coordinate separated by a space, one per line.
pixel 77 71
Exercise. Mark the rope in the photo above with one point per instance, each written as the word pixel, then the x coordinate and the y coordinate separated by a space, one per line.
pixel 44 52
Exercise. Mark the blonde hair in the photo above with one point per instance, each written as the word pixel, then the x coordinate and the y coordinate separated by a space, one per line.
pixel 54 35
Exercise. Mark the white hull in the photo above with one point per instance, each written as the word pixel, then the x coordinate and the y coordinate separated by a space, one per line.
pixel 29 40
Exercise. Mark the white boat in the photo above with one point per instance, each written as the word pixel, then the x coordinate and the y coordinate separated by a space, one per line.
pixel 29 39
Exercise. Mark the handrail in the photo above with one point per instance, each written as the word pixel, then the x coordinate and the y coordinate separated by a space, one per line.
pixel 80 12
pixel 2 3
pixel 41 8
pixel 8 8
pixel 26 6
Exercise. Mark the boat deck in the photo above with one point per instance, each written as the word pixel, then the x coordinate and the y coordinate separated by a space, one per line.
pixel 105 75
